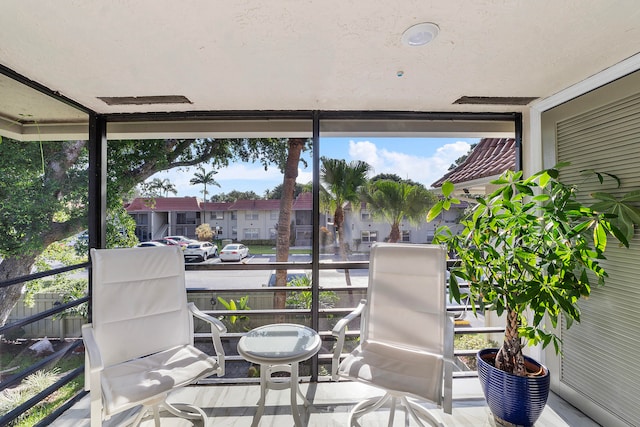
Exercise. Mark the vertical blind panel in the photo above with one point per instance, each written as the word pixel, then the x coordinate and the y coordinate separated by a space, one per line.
pixel 600 353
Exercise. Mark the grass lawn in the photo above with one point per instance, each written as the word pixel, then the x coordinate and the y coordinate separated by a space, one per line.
pixel 17 355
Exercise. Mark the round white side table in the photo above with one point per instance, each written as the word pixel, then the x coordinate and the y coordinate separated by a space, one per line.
pixel 279 348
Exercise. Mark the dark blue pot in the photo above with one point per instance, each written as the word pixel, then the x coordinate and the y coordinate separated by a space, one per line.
pixel 516 400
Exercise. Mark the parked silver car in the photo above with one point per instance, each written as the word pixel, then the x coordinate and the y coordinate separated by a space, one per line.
pixel 200 250
pixel 234 252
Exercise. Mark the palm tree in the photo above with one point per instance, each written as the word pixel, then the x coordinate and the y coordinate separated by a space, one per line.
pixel 167 187
pixel 205 178
pixel 394 201
pixel 341 182
pixel 162 186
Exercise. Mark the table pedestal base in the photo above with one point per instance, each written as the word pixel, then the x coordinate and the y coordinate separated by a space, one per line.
pixel 268 382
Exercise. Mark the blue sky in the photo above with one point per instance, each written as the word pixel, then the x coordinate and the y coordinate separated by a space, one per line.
pixel 419 159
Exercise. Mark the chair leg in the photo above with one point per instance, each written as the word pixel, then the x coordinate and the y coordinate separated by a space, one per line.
pixel 180 410
pixel 365 407
pixel 414 410
pixel 185 411
pixel 419 413
pixel 392 411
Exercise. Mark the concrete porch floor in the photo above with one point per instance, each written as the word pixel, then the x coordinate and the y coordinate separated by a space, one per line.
pixel 235 406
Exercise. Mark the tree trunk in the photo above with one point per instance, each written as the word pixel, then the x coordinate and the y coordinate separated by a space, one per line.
pixel 510 358
pixel 12 267
pixel 394 236
pixel 338 220
pixel 284 220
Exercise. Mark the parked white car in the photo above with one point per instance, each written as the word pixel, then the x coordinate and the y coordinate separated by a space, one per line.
pixel 200 250
pixel 234 252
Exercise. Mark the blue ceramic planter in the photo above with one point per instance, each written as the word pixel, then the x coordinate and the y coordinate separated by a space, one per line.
pixel 516 400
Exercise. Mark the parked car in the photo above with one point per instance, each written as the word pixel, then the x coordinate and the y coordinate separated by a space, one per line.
pixel 200 250
pixel 182 240
pixel 149 244
pixel 291 276
pixel 167 241
pixel 234 252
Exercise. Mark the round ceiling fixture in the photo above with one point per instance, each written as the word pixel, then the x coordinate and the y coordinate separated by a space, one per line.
pixel 420 34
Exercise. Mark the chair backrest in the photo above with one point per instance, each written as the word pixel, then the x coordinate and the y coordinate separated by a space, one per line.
pixel 406 296
pixel 139 301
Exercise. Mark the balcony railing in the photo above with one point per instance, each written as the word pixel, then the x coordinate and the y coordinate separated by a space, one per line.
pixel 302 304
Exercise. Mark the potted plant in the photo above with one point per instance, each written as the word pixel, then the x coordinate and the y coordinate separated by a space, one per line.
pixel 530 250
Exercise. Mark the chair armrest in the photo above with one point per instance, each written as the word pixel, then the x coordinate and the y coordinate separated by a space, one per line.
pixel 217 328
pixel 339 332
pixel 342 323
pixel 91 349
pixel 210 319
pixel 449 334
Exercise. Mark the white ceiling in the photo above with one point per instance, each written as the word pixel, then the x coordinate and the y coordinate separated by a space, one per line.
pixel 303 54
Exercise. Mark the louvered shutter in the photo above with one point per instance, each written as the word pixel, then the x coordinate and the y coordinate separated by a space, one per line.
pixel 600 355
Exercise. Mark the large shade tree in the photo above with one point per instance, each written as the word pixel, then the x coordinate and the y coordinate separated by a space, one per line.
pixel 234 195
pixel 43 189
pixel 340 184
pixel 395 201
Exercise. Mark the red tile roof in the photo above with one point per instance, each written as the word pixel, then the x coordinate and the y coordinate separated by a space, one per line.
pixel 303 202
pixel 216 206
pixel 255 205
pixel 492 156
pixel 165 204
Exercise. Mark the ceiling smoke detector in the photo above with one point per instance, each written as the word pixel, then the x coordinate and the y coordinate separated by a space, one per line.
pixel 420 34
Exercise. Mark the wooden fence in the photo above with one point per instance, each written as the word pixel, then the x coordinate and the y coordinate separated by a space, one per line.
pixel 70 327
pixel 67 327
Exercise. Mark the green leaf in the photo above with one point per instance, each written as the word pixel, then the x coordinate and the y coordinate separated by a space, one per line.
pixel 447 188
pixel 434 211
pixel 541 198
pixel 544 179
pixel 632 196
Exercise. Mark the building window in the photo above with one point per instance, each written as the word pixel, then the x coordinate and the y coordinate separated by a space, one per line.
pixel 251 233
pixel 406 236
pixel 273 233
pixel 369 236
pixel 251 216
pixel 140 219
pixel 365 216
pixel 234 215
pixel 234 231
pixel 274 215
pixel 187 217
pixel 217 215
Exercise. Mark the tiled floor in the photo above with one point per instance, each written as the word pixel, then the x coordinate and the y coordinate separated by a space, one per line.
pixel 235 405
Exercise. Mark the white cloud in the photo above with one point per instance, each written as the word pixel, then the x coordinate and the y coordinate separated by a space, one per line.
pixel 304 177
pixel 367 152
pixel 426 169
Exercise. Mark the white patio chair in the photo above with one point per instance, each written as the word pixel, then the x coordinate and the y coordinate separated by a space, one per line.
pixel 139 346
pixel 406 335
